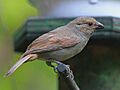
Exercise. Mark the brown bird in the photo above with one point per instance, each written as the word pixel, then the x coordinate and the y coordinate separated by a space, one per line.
pixel 60 44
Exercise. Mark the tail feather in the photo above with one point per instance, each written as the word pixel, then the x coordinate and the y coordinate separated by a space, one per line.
pixel 18 64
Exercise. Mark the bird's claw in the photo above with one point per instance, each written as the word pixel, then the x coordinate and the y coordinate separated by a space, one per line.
pixel 64 69
pixel 69 72
pixel 61 67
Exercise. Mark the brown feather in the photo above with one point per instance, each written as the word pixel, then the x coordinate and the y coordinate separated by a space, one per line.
pixel 18 64
pixel 53 41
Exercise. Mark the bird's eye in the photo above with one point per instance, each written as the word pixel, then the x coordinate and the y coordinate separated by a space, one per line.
pixel 90 23
pixel 78 23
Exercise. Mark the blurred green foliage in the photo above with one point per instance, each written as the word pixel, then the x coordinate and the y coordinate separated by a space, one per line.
pixel 31 76
pixel 15 12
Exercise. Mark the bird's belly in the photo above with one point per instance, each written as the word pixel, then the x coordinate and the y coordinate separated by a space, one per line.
pixel 64 54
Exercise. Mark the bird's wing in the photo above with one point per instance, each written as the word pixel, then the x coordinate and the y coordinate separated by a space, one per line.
pixel 51 42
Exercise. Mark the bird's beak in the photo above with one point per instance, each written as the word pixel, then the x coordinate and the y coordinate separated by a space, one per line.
pixel 99 25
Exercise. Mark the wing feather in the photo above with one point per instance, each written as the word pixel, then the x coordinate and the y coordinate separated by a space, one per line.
pixel 52 41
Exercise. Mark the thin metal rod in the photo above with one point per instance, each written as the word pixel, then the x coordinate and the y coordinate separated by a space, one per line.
pixel 67 75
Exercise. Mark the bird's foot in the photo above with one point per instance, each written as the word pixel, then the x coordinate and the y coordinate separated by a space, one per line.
pixel 63 68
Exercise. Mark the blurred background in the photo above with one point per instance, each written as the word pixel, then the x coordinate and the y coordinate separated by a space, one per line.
pixel 14 14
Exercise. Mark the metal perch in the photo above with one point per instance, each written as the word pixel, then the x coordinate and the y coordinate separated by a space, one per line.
pixel 66 74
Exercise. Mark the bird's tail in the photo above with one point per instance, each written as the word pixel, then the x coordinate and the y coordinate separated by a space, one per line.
pixel 18 64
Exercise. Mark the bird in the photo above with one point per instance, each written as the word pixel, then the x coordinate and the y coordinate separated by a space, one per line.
pixel 61 43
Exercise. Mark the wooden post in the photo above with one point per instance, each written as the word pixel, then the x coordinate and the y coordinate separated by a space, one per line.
pixel 67 75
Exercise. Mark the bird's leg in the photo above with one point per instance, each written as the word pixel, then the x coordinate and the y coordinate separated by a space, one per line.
pixel 61 68
pixel 50 64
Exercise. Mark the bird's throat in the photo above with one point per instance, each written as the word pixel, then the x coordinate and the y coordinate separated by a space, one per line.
pixel 87 33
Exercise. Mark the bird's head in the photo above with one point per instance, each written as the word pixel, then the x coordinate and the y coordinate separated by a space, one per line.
pixel 86 23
